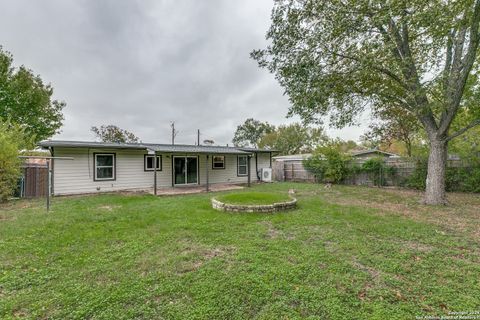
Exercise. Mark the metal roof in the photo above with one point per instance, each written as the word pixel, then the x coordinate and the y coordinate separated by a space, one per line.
pixel 359 153
pixel 177 148
pixel 249 149
pixel 293 157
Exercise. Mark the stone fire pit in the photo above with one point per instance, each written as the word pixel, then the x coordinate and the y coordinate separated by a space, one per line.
pixel 254 202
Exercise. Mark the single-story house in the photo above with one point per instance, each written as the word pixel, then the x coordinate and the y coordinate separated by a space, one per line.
pixel 87 167
pixel 357 154
pixel 372 153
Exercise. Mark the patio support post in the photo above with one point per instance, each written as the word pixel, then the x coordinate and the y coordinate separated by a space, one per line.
pixel 155 173
pixel 248 169
pixel 48 185
pixel 206 172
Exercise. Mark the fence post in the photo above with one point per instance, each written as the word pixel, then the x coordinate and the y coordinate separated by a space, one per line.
pixel 380 182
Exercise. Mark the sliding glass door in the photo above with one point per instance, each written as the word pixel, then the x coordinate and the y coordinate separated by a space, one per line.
pixel 185 170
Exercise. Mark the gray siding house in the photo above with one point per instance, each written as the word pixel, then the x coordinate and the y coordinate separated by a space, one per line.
pixel 102 167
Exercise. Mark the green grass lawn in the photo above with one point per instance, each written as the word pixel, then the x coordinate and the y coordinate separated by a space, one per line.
pixel 345 253
pixel 253 198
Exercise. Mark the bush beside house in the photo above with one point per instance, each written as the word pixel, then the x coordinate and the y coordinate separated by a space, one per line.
pixel 12 139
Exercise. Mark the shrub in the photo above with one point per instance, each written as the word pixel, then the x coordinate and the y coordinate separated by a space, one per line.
pixel 471 181
pixel 316 165
pixel 328 165
pixel 377 168
pixel 418 178
pixel 12 139
pixel 456 178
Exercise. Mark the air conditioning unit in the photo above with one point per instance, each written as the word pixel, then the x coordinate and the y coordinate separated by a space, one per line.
pixel 266 174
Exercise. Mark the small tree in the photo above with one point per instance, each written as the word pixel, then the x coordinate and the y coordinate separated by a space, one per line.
pixel 27 101
pixel 250 132
pixel 112 133
pixel 12 139
pixel 394 125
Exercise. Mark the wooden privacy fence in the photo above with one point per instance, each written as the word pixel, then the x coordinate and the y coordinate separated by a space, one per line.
pixel 34 181
pixel 293 170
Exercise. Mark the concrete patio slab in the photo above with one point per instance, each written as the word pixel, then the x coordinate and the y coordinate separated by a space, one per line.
pixel 195 189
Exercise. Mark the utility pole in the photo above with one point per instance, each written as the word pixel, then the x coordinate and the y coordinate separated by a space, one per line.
pixel 174 132
pixel 198 137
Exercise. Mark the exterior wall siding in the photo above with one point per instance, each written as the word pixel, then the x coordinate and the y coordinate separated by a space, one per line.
pixel 77 176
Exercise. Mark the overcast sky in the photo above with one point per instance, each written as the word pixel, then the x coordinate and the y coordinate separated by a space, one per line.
pixel 142 64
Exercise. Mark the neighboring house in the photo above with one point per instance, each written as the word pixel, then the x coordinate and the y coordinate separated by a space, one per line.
pixel 293 157
pixel 372 153
pixel 100 167
pixel 358 154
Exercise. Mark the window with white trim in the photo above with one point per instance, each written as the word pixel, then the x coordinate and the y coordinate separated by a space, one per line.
pixel 104 166
pixel 149 162
pixel 218 162
pixel 242 165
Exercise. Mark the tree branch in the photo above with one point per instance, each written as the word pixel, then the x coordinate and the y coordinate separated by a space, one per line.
pixel 448 61
pixel 383 70
pixel 462 131
pixel 463 69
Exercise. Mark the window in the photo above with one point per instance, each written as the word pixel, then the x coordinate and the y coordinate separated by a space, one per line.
pixel 218 162
pixel 104 166
pixel 242 165
pixel 148 163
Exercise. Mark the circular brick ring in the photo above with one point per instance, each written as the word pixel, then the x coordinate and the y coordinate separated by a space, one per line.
pixel 265 208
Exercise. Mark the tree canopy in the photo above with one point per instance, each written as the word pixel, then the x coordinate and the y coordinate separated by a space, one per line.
pixel 27 101
pixel 250 132
pixel 293 139
pixel 115 134
pixel 336 58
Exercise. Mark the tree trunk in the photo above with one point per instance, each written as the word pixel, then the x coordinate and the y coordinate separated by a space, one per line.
pixel 437 163
pixel 409 148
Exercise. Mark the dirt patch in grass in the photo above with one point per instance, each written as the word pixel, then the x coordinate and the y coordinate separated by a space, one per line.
pixel 200 257
pixel 415 246
pixel 460 215
pixel 274 233
pixel 188 256
pixel 374 273
pixel 109 207
pixel 376 282
pixel 6 218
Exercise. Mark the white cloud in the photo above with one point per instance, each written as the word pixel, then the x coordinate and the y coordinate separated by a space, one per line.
pixel 142 64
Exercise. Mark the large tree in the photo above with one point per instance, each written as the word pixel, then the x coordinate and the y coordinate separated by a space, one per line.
pixel 336 57
pixel 250 132
pixel 113 133
pixel 27 101
pixel 293 138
